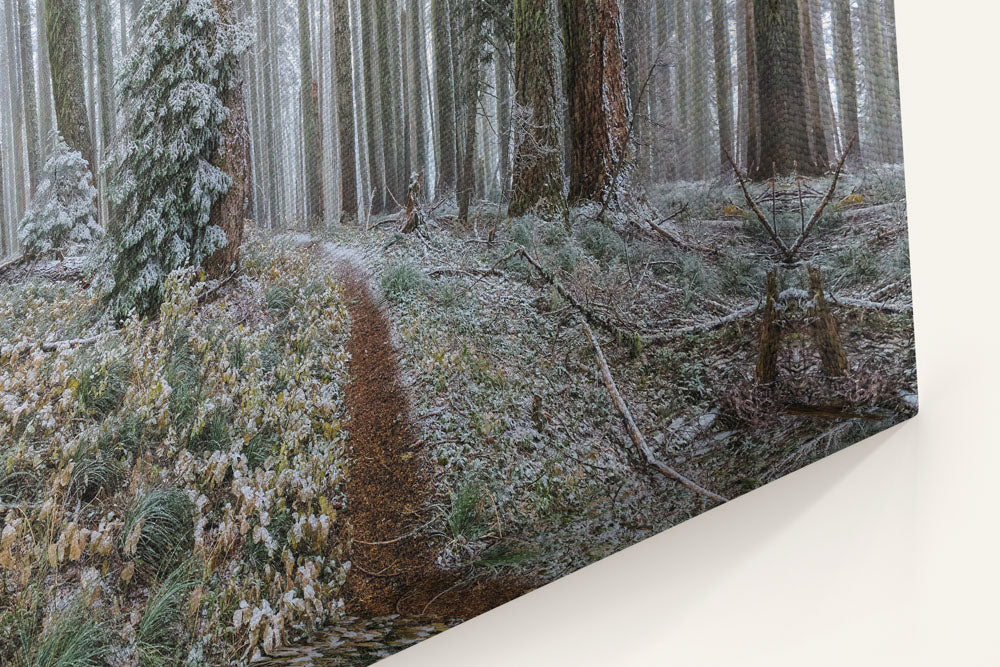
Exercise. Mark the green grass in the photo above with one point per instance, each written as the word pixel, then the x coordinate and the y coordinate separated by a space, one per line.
pixel 464 517
pixel 96 474
pixel 165 520
pixel 214 434
pixel 601 242
pixel 183 374
pixel 74 638
pixel 501 556
pixel 159 638
pixel 401 279
pixel 279 299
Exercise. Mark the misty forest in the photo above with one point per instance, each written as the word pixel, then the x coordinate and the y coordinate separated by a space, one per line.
pixel 328 324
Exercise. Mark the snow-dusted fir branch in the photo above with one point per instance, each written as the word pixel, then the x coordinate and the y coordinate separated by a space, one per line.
pixel 163 180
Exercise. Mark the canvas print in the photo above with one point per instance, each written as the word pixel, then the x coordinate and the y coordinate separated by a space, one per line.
pixel 326 325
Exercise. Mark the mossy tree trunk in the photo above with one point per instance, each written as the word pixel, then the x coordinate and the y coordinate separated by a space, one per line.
pixel 537 178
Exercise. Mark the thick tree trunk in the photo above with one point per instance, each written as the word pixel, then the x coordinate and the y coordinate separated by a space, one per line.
pixel 471 76
pixel 880 90
pixel 833 145
pixel 415 64
pixel 232 156
pixel 723 80
pixel 28 88
pixel 16 113
pixel 817 135
pixel 701 120
pixel 45 110
pixel 446 156
pixel 312 137
pixel 847 86
pixel 782 92
pixel 537 178
pixel 345 111
pixel 369 67
pixel 597 91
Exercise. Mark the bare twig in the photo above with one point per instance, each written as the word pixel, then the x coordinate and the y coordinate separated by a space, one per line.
pixel 634 433
pixel 753 205
pixel 790 253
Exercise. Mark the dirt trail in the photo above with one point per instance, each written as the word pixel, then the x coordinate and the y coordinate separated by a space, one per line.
pixel 389 485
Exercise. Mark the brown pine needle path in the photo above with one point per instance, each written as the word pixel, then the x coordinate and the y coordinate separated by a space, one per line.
pixel 389 487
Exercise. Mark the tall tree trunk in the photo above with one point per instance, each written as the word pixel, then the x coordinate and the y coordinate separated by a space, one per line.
pixel 597 91
pixel 891 48
pixel 700 106
pixel 823 79
pixel 62 23
pixel 28 88
pixel 418 69
pixel 663 156
pixel 743 99
pixel 16 113
pixel 723 80
pixel 753 94
pixel 369 67
pixel 847 86
pixel 781 88
pixel 682 121
pixel 537 175
pixel 345 110
pixel 388 68
pixel 503 87
pixel 636 40
pixel 471 77
pixel 45 109
pixel 312 138
pixel 105 72
pixel 230 212
pixel 446 156
pixel 817 135
pixel 879 88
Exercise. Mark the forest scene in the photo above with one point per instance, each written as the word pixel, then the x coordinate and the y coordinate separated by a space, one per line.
pixel 326 325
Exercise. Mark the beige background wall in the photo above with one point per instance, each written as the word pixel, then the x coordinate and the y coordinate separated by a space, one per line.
pixel 885 554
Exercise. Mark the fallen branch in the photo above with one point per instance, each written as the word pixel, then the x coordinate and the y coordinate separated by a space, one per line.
pixel 70 344
pixel 679 242
pixel 794 294
pixel 702 327
pixel 11 263
pixel 634 433
pixel 209 292
pixel 753 205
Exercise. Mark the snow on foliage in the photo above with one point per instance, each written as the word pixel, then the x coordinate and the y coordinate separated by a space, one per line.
pixel 163 180
pixel 62 211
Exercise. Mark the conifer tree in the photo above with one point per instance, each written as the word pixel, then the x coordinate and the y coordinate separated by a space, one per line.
pixel 63 210
pixel 179 153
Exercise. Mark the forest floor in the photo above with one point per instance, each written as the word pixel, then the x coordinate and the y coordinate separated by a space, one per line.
pixel 416 424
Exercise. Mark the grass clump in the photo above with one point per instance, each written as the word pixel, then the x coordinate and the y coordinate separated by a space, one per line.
pixel 160 634
pixel 101 387
pixel 183 374
pixel 74 638
pixel 96 474
pixel 740 276
pixel 464 517
pixel 159 529
pixel 401 279
pixel 213 435
pixel 601 242
pixel 279 299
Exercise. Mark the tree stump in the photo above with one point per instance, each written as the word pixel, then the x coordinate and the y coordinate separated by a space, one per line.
pixel 824 328
pixel 412 215
pixel 770 333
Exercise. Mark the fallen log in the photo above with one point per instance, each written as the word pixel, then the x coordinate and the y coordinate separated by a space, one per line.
pixel 633 430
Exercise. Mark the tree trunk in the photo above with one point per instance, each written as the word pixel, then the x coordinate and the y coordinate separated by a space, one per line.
pixel 345 110
pixel 847 86
pixel 597 91
pixel 312 137
pixel 664 154
pixel 829 121
pixel 28 88
pixel 389 103
pixel 471 75
pixel 537 177
pixel 503 86
pixel 723 80
pixel 370 69
pixel 446 157
pixel 817 135
pixel 877 81
pixel 782 92
pixel 700 105
pixel 16 113
pixel 232 156
pixel 105 73
pixel 45 109
pixel 753 95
